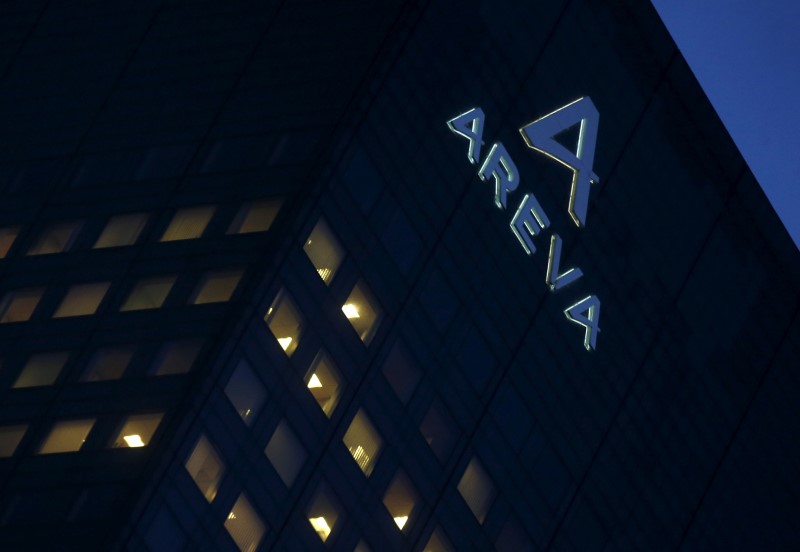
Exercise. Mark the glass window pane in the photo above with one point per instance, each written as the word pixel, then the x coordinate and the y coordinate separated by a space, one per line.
pixel 121 230
pixel 401 373
pixel 206 468
pixel 217 287
pixel 7 238
pixel 255 217
pixel 323 512
pixel 363 442
pixel 438 431
pixel 177 357
pixel 18 306
pixel 56 239
pixel 322 380
pixel 41 369
pixel 188 224
pixel 324 251
pixel 149 294
pixel 363 312
pixel 438 543
pixel 82 300
pixel 108 364
pixel 67 436
pixel 10 437
pixel 246 392
pixel 286 453
pixel 400 499
pixel 138 430
pixel 285 322
pixel 477 489
pixel 244 526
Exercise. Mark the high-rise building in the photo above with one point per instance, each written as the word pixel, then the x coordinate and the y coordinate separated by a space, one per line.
pixel 441 276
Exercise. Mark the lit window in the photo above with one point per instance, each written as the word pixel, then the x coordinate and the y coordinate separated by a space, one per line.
pixel 10 437
pixel 217 287
pixel 255 217
pixel 437 430
pixel 41 369
pixel 188 224
pixel 246 392
pixel 67 436
pixel 363 442
pixel 362 312
pixel 138 430
pixel 244 526
pixel 284 322
pixel 82 300
pixel 108 364
pixel 399 499
pixel 477 489
pixel 56 239
pixel 177 357
pixel 18 306
pixel 322 380
pixel 286 453
pixel 323 513
pixel 362 547
pixel 149 294
pixel 7 238
pixel 205 467
pixel 121 230
pixel 324 251
pixel 438 543
pixel 402 374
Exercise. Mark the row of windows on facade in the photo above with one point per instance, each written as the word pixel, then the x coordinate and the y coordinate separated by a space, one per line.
pixel 125 229
pixel 70 435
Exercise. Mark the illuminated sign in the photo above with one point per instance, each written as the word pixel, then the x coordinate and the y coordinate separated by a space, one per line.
pixel 529 219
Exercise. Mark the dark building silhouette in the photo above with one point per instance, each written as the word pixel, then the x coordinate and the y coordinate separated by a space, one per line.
pixel 296 276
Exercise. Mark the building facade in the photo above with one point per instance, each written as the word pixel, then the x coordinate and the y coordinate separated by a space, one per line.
pixel 433 276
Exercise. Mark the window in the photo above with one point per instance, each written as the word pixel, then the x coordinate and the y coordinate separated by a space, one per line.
pixel 362 312
pixel 322 380
pixel 217 287
pixel 67 436
pixel 402 374
pixel 477 489
pixel 245 392
pixel 438 543
pixel 244 526
pixel 56 239
pixel 108 364
pixel 41 369
pixel 324 251
pixel 10 437
pixel 138 430
pixel 7 238
pixel 205 467
pixel 323 513
pixel 286 453
pixel 188 224
pixel 149 294
pixel 363 442
pixel 18 306
pixel 82 300
pixel 177 357
pixel 437 430
pixel 256 216
pixel 284 322
pixel 121 230
pixel 400 498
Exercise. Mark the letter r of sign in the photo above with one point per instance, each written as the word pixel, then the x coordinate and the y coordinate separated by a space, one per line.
pixel 539 135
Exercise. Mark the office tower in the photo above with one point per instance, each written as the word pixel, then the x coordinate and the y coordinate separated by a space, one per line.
pixel 383 276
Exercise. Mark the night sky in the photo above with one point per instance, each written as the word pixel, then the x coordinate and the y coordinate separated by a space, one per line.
pixel 746 56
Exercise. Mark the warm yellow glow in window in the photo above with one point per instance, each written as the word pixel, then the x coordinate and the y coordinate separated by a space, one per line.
pixel 350 311
pixel 314 382
pixel 321 527
pixel 134 441
pixel 401 521
pixel 284 342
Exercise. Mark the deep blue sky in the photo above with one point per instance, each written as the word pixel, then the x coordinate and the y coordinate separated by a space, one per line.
pixel 746 55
